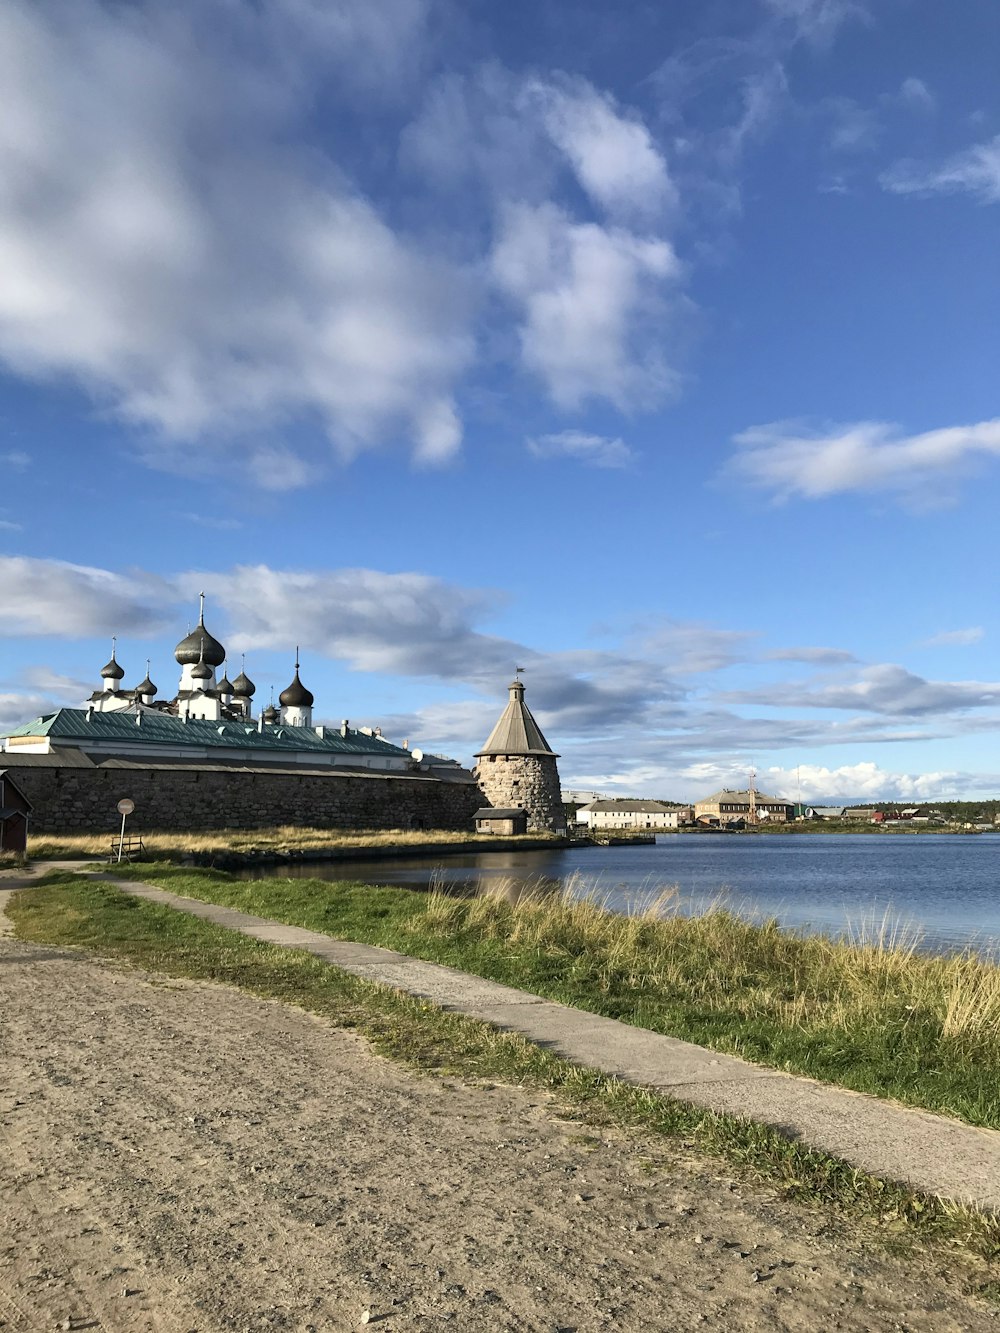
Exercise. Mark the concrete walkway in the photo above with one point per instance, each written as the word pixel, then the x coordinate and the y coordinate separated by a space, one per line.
pixel 929 1152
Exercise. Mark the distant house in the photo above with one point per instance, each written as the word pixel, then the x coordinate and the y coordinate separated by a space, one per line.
pixel 509 822
pixel 828 812
pixel 730 807
pixel 863 815
pixel 627 814
pixel 15 811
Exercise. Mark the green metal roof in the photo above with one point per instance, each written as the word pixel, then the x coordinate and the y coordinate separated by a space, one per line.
pixel 155 728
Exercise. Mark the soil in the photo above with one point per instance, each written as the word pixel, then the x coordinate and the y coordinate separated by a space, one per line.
pixel 189 1159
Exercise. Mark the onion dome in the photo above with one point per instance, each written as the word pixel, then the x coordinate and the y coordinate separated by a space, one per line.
pixel 146 686
pixel 112 671
pixel 271 714
pixel 243 686
pixel 201 671
pixel 199 645
pixel 296 696
pixel 225 686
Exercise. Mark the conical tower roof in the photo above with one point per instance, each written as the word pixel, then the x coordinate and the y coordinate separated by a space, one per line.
pixel 516 732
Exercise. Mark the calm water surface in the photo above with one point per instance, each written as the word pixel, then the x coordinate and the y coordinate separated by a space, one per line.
pixel 947 886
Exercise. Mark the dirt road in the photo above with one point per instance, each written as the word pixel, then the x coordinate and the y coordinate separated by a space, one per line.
pixel 178 1157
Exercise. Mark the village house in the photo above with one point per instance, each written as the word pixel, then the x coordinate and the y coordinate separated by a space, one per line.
pixel 627 814
pixel 731 807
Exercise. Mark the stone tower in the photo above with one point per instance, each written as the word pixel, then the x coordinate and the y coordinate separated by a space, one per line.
pixel 517 767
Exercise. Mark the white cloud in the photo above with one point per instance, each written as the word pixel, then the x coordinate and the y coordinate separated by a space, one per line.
pixel 914 93
pixel 866 456
pixel 16 458
pixel 613 155
pixel 884 688
pixel 7 525
pixel 955 636
pixel 52 597
pixel 974 171
pixel 688 647
pixel 588 296
pixel 593 450
pixel 862 781
pixel 169 250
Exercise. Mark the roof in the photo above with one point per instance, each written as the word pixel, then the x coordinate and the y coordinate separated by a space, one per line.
pixel 296 695
pixel 516 732
pixel 156 728
pixel 633 807
pixel 742 798
pixel 489 813
pixel 198 646
pixel 9 810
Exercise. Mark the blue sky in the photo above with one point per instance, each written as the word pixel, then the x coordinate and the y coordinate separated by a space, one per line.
pixel 651 348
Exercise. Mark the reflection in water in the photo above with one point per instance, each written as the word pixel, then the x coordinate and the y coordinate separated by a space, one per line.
pixel 945 886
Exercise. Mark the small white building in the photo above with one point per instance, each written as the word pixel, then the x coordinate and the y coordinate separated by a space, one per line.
pixel 626 814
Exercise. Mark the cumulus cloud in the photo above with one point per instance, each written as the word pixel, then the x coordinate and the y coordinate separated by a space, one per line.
pixel 167 248
pixel 955 636
pixel 53 597
pixel 865 781
pixel 974 171
pixel 588 297
pixel 612 154
pixel 866 456
pixel 578 200
pixel 592 450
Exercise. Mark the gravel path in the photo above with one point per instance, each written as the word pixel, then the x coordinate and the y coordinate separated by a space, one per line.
pixel 185 1158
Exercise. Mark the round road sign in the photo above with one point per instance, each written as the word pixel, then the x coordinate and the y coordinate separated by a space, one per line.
pixel 126 806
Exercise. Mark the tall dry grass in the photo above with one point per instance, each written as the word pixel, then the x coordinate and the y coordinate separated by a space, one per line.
pixel 287 838
pixel 873 977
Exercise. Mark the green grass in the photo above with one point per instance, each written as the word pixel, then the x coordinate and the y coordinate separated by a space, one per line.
pixel 873 1015
pixel 70 912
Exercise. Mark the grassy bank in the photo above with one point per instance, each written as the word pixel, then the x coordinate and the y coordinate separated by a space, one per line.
pixel 285 839
pixel 872 1014
pixel 68 911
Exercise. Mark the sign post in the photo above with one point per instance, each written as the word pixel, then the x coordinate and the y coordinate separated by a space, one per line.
pixel 125 808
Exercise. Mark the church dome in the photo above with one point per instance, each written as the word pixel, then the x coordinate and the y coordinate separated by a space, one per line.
pixel 199 645
pixel 271 714
pixel 243 686
pixel 225 686
pixel 296 696
pixel 201 671
pixel 146 686
pixel 112 671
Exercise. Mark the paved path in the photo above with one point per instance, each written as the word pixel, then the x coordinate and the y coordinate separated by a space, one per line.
pixel 929 1152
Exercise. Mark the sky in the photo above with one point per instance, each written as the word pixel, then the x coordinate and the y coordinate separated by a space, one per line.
pixel 651 348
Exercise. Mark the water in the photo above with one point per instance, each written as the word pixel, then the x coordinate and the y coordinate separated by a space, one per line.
pixel 946 886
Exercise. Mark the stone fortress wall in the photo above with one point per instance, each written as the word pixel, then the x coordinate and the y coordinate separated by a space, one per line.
pixel 174 798
pixel 528 781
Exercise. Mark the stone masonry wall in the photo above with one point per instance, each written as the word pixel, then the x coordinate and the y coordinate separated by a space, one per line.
pixel 82 800
pixel 528 781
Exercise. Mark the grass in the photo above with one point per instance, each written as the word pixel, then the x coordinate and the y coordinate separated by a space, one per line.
pixel 67 911
pixel 869 1013
pixel 289 838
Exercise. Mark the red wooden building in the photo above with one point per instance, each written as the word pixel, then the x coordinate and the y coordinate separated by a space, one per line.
pixel 15 810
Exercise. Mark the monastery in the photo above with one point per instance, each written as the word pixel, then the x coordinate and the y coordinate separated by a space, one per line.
pixel 203 760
